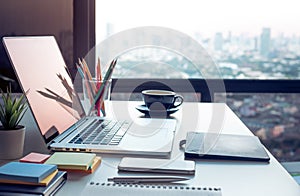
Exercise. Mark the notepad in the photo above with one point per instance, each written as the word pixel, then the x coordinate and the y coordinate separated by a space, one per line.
pixel 44 182
pixel 90 170
pixel 109 189
pixel 34 157
pixel 72 160
pixel 28 172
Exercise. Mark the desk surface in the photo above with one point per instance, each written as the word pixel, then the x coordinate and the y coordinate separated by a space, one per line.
pixel 235 178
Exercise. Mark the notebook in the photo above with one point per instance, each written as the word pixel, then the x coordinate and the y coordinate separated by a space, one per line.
pixel 72 160
pixel 91 169
pixel 96 188
pixel 16 189
pixel 224 147
pixel 40 68
pixel 44 182
pixel 28 172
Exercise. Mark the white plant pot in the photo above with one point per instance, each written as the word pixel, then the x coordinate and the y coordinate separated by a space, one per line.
pixel 12 143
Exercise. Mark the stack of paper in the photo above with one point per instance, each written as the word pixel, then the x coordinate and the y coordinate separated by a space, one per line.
pixel 75 161
pixel 27 173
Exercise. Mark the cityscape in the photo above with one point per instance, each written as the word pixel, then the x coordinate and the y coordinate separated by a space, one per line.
pixel 274 118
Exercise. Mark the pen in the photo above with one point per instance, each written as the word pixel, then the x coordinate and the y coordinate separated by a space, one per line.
pixel 146 179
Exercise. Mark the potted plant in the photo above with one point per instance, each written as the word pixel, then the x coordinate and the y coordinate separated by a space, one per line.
pixel 12 135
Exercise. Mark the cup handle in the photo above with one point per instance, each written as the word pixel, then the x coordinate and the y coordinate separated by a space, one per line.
pixel 180 98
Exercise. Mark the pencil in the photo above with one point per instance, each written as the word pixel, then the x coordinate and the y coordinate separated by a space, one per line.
pixel 83 70
pixel 89 75
pixel 99 95
pixel 99 107
pixel 80 71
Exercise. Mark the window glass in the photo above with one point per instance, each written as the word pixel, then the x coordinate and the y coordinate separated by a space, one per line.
pixel 148 62
pixel 247 39
pixel 274 118
pixel 256 39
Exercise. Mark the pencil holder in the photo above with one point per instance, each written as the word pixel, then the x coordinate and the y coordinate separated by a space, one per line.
pixel 95 93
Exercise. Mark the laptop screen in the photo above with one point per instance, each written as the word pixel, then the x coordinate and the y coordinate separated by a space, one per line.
pixel 41 70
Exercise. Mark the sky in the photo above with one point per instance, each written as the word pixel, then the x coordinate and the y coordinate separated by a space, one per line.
pixel 205 17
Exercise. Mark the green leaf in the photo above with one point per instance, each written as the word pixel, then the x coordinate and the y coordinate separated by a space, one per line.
pixel 2 117
pixel 21 116
pixel 12 110
pixel 13 119
pixel 2 110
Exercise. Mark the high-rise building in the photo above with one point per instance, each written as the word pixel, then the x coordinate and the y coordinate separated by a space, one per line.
pixel 265 42
pixel 229 37
pixel 255 40
pixel 218 42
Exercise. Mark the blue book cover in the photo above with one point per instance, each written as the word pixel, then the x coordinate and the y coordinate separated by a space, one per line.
pixel 28 172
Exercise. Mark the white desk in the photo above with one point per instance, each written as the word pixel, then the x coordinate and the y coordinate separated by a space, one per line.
pixel 235 178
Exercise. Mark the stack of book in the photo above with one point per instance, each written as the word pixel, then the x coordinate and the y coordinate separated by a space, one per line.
pixel 75 161
pixel 30 178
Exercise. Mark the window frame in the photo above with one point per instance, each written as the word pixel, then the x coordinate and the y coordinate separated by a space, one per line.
pixel 85 40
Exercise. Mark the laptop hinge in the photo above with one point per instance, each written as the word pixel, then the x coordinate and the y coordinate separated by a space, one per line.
pixel 51 134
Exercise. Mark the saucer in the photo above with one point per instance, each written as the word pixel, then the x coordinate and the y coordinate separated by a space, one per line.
pixel 144 109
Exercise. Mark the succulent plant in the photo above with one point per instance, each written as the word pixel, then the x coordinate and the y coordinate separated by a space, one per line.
pixel 12 110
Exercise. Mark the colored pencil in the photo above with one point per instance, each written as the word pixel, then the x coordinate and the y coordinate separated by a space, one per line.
pixel 100 93
pixel 99 107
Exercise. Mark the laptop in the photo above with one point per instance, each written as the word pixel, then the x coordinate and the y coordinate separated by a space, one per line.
pixel 58 112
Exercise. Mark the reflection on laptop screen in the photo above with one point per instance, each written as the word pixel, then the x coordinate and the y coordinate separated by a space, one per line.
pixel 41 69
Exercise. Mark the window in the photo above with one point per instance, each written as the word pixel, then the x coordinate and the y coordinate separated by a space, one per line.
pixel 247 40
pixel 252 39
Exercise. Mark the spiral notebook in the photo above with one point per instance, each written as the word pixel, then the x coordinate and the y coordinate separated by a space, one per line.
pixel 95 188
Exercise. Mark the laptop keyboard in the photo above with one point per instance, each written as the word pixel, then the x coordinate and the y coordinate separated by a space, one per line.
pixel 103 132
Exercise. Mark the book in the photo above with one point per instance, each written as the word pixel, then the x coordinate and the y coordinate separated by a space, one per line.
pixel 72 160
pixel 28 172
pixel 16 189
pixel 91 169
pixel 44 182
pixel 34 157
pixel 220 146
pixel 96 188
